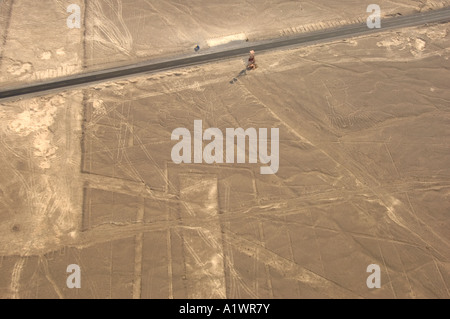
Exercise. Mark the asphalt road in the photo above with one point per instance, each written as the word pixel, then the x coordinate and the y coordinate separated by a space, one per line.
pixel 219 54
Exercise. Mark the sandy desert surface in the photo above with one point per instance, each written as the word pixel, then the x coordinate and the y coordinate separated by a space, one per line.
pixel 87 176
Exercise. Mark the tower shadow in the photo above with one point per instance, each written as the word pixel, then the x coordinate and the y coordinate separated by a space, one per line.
pixel 242 73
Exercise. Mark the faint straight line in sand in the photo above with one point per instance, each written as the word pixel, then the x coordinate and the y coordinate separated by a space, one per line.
pixel 169 264
pixel 317 242
pixel 232 292
pixel 85 34
pixel 290 128
pixel 50 279
pixel 363 175
pixel 387 270
pixel 442 277
pixel 202 244
pixel 124 186
pixel 110 266
pixel 291 252
pixel 266 266
pixel 378 239
pixel 392 160
pixel 166 184
pixel 413 210
pixel 255 188
pixel 15 278
pixel 137 281
pixel 290 269
pixel 432 256
pixel 255 264
pixel 403 269
pixel 169 236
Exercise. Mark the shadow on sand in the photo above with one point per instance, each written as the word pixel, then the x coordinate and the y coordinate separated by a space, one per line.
pixel 242 73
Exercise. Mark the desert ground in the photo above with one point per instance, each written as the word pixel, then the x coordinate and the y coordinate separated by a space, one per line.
pixel 87 178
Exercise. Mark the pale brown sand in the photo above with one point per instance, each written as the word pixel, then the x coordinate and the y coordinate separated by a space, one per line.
pixel 363 179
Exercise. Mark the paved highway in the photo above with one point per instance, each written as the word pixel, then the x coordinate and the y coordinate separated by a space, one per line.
pixel 227 52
